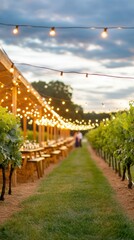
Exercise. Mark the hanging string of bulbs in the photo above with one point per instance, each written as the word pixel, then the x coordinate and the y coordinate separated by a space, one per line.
pixel 52 33
pixel 52 30
pixel 86 74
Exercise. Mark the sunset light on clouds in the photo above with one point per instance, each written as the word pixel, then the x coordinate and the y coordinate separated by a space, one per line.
pixel 75 49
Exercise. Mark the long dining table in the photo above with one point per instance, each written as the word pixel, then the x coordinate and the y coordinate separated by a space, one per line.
pixel 33 156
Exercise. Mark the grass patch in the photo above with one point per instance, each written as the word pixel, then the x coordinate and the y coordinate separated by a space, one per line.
pixel 74 202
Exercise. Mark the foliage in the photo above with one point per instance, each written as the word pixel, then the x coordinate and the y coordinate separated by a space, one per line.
pixel 10 139
pixel 116 137
pixel 55 89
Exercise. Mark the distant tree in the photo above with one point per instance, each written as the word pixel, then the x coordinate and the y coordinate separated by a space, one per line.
pixel 93 116
pixel 54 89
pixel 61 98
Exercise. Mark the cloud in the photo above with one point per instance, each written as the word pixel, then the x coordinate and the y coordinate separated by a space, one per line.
pixel 81 50
pixel 121 93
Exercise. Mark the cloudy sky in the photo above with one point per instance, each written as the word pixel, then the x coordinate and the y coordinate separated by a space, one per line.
pixel 109 62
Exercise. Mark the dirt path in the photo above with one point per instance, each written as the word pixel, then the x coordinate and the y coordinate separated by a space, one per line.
pixel 22 191
pixel 124 195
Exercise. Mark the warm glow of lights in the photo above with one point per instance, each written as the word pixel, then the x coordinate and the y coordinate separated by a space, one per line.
pixel 52 32
pixel 16 30
pixel 63 102
pixel 104 34
pixel 12 68
pixel 19 92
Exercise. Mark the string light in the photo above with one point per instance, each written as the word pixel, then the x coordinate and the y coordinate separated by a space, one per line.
pixel 81 73
pixel 2 85
pixel 52 32
pixel 104 34
pixel 16 30
pixel 12 68
pixel 103 105
pixel 61 73
pixel 19 77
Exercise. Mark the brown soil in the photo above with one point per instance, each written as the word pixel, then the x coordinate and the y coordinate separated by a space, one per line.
pixel 22 191
pixel 124 195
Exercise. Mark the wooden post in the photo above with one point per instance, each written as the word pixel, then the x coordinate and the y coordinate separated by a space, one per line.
pixel 51 132
pixel 34 129
pixel 55 133
pixel 40 128
pixel 61 133
pixel 43 131
pixel 24 126
pixel 14 111
pixel 14 100
pixel 47 132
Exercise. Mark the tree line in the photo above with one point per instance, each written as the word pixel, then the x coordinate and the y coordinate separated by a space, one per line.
pixel 61 99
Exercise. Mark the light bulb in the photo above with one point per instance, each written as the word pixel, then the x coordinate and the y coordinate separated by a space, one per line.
pixel 52 32
pixel 104 34
pixel 12 68
pixel 16 30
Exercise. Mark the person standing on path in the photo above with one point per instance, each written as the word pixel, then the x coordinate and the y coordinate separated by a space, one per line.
pixel 76 139
pixel 80 136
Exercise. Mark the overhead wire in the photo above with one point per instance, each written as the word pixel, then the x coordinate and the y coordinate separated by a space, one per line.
pixel 75 72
